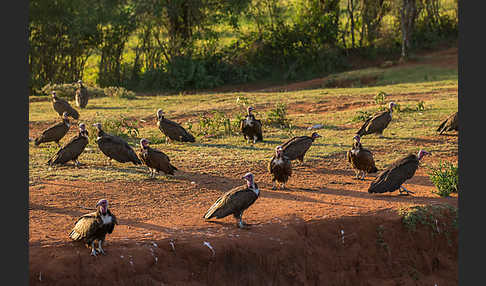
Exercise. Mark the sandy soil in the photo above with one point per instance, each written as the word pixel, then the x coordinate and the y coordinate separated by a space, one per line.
pixel 294 238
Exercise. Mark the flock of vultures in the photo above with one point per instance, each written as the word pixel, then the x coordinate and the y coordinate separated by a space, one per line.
pixel 94 226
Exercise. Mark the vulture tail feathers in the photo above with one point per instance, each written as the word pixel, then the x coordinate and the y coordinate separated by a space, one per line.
pixel 75 235
pixel 210 213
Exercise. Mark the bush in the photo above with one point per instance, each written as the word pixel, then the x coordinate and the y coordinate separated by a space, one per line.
pixel 120 92
pixel 122 127
pixel 445 177
pixel 277 117
pixel 215 125
pixel 67 90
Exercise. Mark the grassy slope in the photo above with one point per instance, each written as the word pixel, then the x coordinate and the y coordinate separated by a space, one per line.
pixel 218 152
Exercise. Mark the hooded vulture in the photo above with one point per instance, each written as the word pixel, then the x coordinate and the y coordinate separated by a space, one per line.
pixel 172 130
pixel 361 159
pixel 154 159
pixel 81 95
pixel 71 150
pixel 450 124
pixel 61 106
pixel 250 127
pixel 115 147
pixel 235 201
pixel 377 123
pixel 55 132
pixel 280 167
pixel 296 147
pixel 392 178
pixel 94 226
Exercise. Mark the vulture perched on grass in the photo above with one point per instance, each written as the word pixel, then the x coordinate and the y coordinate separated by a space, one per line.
pixel 280 167
pixel 250 127
pixel 235 201
pixel 377 123
pixel 361 159
pixel 172 130
pixel 55 132
pixel 71 150
pixel 450 124
pixel 81 95
pixel 296 147
pixel 392 178
pixel 154 159
pixel 94 226
pixel 115 147
pixel 61 106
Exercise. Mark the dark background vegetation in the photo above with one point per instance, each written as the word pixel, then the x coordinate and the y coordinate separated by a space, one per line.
pixel 176 45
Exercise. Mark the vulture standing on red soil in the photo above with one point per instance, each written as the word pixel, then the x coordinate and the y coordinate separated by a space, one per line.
pixel 55 132
pixel 115 147
pixel 81 95
pixel 450 124
pixel 235 201
pixel 61 106
pixel 377 123
pixel 71 150
pixel 280 167
pixel 172 130
pixel 94 226
pixel 296 147
pixel 156 160
pixel 392 178
pixel 361 159
pixel 250 127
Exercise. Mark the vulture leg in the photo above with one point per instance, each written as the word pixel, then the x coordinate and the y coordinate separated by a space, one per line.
pixel 254 139
pixel 356 177
pixel 283 186
pixel 241 223
pixel 76 163
pixel 100 249
pixel 274 186
pixel 93 251
pixel 402 190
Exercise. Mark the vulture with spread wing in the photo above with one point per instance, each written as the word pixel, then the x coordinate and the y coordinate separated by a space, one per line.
pixel 296 147
pixel 392 178
pixel 250 127
pixel 81 95
pixel 61 106
pixel 450 124
pixel 361 159
pixel 55 132
pixel 115 147
pixel 173 130
pixel 71 150
pixel 94 226
pixel 154 159
pixel 280 167
pixel 235 201
pixel 377 123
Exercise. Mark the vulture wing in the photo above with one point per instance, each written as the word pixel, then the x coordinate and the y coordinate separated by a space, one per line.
pixel 53 133
pixel 118 149
pixel 175 131
pixel 85 227
pixel 451 123
pixel 375 124
pixel 159 160
pixel 364 161
pixel 297 147
pixel 70 151
pixel 81 97
pixel 395 175
pixel 233 201
pixel 60 105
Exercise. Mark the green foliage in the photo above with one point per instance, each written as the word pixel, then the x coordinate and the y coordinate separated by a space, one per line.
pixel 362 116
pixel 123 127
pixel 429 215
pixel 419 107
pixel 380 98
pixel 119 92
pixel 67 91
pixel 215 124
pixel 445 177
pixel 277 117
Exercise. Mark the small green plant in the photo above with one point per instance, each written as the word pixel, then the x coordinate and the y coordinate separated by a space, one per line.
pixel 419 107
pixel 429 215
pixel 445 177
pixel 122 127
pixel 380 98
pixel 278 116
pixel 214 125
pixel 120 92
pixel 362 116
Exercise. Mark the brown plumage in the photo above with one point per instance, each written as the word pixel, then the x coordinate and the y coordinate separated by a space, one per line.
pixel 55 132
pixel 172 130
pixel 61 106
pixel 154 159
pixel 250 127
pixel 81 95
pixel 115 147
pixel 361 159
pixel 450 124
pixel 377 123
pixel 71 150
pixel 280 167
pixel 392 178
pixel 235 201
pixel 296 147
pixel 94 226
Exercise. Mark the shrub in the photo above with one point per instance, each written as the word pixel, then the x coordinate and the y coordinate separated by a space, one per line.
pixel 362 115
pixel 120 92
pixel 429 215
pixel 67 90
pixel 122 127
pixel 445 177
pixel 215 125
pixel 277 116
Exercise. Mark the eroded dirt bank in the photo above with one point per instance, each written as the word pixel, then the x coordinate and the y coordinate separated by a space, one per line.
pixel 375 250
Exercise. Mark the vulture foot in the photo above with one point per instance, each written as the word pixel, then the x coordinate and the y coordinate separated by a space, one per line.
pixel 403 191
pixel 243 225
pixel 93 252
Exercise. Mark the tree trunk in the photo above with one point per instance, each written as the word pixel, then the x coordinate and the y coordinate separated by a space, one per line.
pixel 408 13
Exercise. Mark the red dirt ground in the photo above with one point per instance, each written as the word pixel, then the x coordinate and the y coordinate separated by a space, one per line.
pixel 294 238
